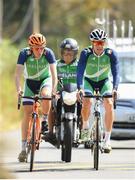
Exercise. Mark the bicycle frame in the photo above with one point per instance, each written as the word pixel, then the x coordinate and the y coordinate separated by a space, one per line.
pixel 97 132
pixel 96 127
pixel 35 119
pixel 34 128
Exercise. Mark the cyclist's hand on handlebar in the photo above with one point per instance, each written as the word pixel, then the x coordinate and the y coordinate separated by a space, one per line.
pixel 56 95
pixel 19 99
pixel 80 95
pixel 54 91
pixel 114 94
pixel 20 93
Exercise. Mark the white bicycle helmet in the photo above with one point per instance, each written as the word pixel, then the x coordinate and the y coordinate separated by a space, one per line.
pixel 98 35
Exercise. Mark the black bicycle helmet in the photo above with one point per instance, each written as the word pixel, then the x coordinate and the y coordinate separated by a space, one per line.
pixel 71 44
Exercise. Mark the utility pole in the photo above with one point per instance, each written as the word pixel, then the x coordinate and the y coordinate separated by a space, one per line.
pixel 122 29
pixel 1 19
pixel 107 23
pixel 36 16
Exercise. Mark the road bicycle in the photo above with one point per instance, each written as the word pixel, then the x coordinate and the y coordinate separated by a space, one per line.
pixel 97 126
pixel 34 128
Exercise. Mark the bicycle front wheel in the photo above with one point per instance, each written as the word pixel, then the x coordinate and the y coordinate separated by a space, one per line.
pixel 33 146
pixel 96 145
pixel 67 143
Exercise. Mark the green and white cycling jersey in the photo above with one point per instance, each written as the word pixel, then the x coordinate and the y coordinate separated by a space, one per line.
pixel 68 72
pixel 36 72
pixel 36 69
pixel 96 70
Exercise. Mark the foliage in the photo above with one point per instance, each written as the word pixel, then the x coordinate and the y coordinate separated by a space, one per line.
pixel 58 19
pixel 9 116
pixel 64 18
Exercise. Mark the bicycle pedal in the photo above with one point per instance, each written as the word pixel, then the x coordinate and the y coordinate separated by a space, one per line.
pixel 102 150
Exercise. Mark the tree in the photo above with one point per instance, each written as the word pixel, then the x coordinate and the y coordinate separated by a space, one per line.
pixel 1 19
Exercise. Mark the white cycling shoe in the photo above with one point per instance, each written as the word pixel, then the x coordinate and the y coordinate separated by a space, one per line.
pixel 85 135
pixel 107 147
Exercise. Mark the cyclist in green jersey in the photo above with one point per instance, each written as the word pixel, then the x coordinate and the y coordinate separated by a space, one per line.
pixel 39 65
pixel 95 67
pixel 67 70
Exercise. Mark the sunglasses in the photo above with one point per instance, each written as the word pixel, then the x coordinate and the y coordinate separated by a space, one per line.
pixel 99 43
pixel 38 47
pixel 68 53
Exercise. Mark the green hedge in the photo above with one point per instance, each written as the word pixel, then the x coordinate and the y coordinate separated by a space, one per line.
pixel 9 115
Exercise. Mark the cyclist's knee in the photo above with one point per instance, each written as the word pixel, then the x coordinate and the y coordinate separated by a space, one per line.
pixel 86 103
pixel 27 109
pixel 45 91
pixel 108 105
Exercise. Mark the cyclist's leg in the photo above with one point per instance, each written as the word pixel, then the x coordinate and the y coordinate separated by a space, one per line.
pixel 109 113
pixel 50 136
pixel 51 120
pixel 85 112
pixel 45 90
pixel 27 107
pixel 25 121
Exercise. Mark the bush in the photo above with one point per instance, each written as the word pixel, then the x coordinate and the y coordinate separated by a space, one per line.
pixel 9 116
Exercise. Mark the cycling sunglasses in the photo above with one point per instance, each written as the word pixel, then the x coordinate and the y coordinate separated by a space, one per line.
pixel 38 47
pixel 68 53
pixel 98 43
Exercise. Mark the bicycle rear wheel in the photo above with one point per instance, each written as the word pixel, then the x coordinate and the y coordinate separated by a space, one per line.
pixel 96 145
pixel 33 146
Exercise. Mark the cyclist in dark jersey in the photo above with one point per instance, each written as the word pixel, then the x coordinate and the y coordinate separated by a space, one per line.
pixel 67 70
pixel 96 66
pixel 39 65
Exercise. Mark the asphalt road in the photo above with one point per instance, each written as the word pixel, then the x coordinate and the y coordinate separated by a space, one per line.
pixel 119 164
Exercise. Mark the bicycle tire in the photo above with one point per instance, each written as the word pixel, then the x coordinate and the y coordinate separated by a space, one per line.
pixel 96 145
pixel 38 133
pixel 62 152
pixel 67 143
pixel 32 151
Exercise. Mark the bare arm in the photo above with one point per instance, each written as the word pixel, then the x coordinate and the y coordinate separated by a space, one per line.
pixel 18 74
pixel 54 77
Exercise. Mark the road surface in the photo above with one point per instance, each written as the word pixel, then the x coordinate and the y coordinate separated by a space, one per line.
pixel 119 164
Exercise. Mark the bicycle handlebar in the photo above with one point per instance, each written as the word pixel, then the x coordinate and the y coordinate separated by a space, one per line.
pixel 101 96
pixel 98 96
pixel 35 98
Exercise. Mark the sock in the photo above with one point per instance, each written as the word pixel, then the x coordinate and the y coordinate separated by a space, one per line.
pixel 24 144
pixel 107 136
pixel 44 126
pixel 44 117
pixel 85 125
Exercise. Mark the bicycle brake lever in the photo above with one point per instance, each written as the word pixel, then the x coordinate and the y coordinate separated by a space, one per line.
pixel 114 99
pixel 19 102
